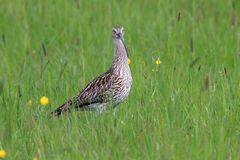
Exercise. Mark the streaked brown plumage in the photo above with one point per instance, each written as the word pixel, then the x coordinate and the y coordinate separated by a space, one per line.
pixel 107 89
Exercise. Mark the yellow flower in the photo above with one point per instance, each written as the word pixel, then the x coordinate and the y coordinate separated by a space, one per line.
pixel 3 153
pixel 129 61
pixel 157 62
pixel 44 100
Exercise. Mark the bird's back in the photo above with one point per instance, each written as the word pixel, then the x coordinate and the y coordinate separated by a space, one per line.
pixel 109 87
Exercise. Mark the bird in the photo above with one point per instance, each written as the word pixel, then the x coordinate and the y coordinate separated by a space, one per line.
pixel 108 89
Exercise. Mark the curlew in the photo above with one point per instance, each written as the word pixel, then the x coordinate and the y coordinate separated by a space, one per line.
pixel 108 89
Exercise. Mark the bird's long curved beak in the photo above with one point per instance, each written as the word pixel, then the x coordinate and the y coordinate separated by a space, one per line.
pixel 121 38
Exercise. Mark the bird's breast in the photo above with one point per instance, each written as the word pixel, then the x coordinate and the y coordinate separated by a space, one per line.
pixel 122 85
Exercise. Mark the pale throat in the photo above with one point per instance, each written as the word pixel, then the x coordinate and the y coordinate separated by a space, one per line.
pixel 120 52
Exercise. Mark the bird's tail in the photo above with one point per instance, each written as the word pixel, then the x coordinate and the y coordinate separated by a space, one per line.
pixel 66 107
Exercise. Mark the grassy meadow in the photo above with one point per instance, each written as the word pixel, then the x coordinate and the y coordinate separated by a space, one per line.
pixel 187 107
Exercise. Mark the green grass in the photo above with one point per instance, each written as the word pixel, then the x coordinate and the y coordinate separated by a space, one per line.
pixel 171 113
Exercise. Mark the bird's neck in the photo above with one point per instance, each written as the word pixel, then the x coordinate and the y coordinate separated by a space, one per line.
pixel 121 55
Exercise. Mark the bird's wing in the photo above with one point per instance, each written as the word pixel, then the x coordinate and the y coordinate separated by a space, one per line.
pixel 97 91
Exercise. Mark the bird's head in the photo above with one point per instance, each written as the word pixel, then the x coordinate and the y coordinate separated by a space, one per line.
pixel 117 32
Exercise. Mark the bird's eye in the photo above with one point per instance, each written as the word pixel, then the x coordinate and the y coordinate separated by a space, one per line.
pixel 114 31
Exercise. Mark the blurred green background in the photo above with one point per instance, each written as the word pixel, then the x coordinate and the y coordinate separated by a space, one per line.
pixel 188 107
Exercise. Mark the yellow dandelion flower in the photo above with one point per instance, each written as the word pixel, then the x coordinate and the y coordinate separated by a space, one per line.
pixel 44 100
pixel 129 61
pixel 157 62
pixel 3 153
